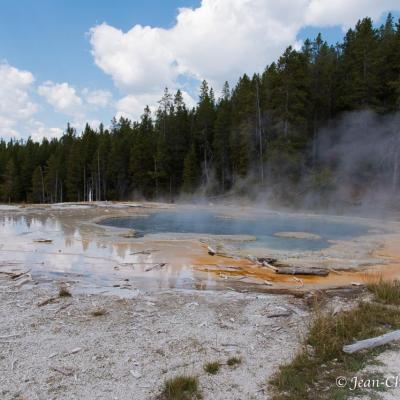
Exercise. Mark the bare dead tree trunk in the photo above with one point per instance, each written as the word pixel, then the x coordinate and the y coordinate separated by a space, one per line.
pixel 56 188
pixel 260 134
pixel 286 126
pixel 98 194
pixel 156 175
pixel 84 183
pixel 395 178
pixel 41 174
pixel 205 158
pixel 315 140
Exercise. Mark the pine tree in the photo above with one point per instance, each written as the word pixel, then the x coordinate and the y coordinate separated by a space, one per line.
pixel 38 194
pixel 222 130
pixel 205 115
pixel 190 172
pixel 52 179
pixel 9 186
pixel 143 164
pixel 359 67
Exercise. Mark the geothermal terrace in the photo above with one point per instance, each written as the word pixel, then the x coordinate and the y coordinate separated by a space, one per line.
pixel 159 289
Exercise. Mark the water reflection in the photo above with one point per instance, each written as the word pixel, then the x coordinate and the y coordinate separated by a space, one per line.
pixel 93 258
pixel 97 257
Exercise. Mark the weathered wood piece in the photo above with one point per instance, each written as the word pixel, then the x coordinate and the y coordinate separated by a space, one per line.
pixel 211 251
pixel 289 270
pixel 372 342
pixel 43 241
pixel 286 269
pixel 268 260
pixel 67 371
pixel 156 266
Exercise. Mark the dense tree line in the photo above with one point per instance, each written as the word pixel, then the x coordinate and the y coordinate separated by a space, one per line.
pixel 265 132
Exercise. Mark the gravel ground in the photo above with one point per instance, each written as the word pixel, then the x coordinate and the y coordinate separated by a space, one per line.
pixel 386 370
pixel 61 351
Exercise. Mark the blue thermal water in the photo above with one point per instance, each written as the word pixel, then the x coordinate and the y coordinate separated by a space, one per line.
pixel 262 227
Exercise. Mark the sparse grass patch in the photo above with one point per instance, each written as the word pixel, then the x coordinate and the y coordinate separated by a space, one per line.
pixel 321 360
pixel 234 361
pixel 63 291
pixel 387 292
pixel 212 367
pixel 98 312
pixel 182 387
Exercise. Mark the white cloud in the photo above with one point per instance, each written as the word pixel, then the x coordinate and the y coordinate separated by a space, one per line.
pixel 139 59
pixel 62 97
pixel 132 106
pixel 18 112
pixel 97 98
pixel 346 13
pixel 218 41
pixel 16 105
pixel 38 131
pixel 7 128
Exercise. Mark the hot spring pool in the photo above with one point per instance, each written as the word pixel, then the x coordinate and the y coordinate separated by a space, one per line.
pixel 263 227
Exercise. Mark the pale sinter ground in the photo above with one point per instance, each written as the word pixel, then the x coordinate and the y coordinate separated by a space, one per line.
pixel 130 351
pixel 61 351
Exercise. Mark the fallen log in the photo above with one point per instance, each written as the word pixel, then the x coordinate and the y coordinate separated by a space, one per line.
pixel 289 270
pixel 286 269
pixel 13 275
pixel 23 282
pixel 372 342
pixel 46 301
pixel 270 266
pixel 277 314
pixel 156 266
pixel 268 260
pixel 211 251
pixel 66 371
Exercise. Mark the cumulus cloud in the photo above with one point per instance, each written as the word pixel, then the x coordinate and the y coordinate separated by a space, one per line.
pixel 62 97
pixel 97 98
pixel 217 41
pixel 19 113
pixel 133 58
pixel 346 13
pixel 16 105
pixel 38 131
pixel 132 106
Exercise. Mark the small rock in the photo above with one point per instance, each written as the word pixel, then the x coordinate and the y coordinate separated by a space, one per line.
pixel 135 374
pixel 76 350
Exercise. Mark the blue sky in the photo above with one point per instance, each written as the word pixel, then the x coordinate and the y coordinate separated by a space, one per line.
pixel 70 60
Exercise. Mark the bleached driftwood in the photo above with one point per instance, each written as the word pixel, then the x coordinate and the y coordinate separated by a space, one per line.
pixel 211 251
pixel 46 301
pixel 14 275
pixel 23 282
pixel 288 270
pixel 268 265
pixel 301 283
pixel 372 342
pixel 67 371
pixel 156 266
